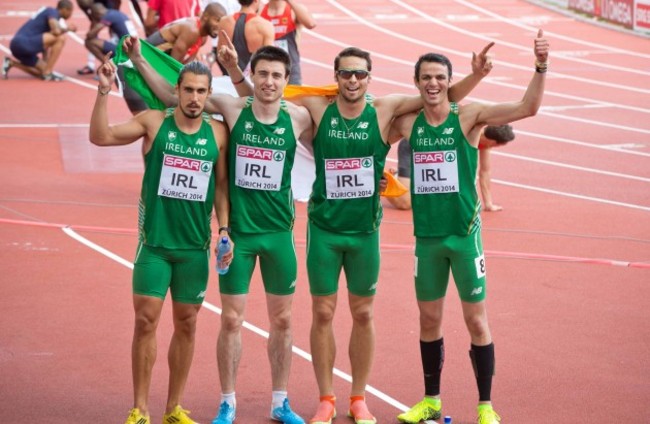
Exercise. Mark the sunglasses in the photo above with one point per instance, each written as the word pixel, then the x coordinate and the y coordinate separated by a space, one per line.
pixel 360 74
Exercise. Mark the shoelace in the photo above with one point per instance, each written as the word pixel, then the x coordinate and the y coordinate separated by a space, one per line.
pixel 223 409
pixel 488 414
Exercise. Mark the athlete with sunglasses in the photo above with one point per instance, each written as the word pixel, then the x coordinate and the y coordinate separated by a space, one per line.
pixel 350 148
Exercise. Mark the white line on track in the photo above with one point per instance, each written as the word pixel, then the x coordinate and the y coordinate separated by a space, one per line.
pixel 428 45
pixel 556 55
pixel 575 196
pixel 574 167
pixel 598 46
pixel 260 332
pixel 489 80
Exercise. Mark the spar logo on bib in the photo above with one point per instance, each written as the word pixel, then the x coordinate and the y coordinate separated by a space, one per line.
pixel 187 163
pixel 343 164
pixel 278 156
pixel 434 157
pixel 255 153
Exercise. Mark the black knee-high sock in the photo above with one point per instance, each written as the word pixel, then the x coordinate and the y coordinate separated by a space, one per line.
pixel 433 356
pixel 483 362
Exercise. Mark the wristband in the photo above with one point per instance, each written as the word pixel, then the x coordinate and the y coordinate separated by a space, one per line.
pixel 541 67
pixel 103 93
pixel 226 229
pixel 239 82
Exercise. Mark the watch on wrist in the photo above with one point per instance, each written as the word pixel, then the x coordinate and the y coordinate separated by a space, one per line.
pixel 226 229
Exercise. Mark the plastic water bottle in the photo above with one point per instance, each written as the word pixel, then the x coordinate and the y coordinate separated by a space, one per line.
pixel 223 248
pixel 447 419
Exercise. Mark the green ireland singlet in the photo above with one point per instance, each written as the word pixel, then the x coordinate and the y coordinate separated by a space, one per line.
pixel 349 157
pixel 260 160
pixel 443 173
pixel 178 187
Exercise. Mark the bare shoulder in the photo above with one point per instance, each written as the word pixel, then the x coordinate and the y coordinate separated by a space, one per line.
pixel 150 117
pixel 315 104
pixel 390 99
pixel 217 125
pixel 262 23
pixel 299 112
pixel 468 112
pixel 405 122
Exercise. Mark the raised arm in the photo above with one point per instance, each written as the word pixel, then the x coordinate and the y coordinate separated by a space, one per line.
pixel 504 113
pixel 401 127
pixel 303 17
pixel 228 57
pixel 163 90
pixel 100 132
pixel 481 66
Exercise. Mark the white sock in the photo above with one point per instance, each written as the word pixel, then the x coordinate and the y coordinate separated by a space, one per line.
pixel 278 399
pixel 229 398
pixel 91 61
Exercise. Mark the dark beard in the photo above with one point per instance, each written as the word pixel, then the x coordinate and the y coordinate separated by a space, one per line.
pixel 189 115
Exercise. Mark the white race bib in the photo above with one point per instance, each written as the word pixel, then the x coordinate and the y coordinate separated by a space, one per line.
pixel 283 44
pixel 184 178
pixel 435 172
pixel 350 178
pixel 259 169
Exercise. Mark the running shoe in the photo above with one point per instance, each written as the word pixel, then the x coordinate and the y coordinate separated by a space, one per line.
pixel 135 417
pixel 6 65
pixel 326 411
pixel 284 414
pixel 86 70
pixel 53 77
pixel 426 409
pixel 226 414
pixel 359 411
pixel 487 415
pixel 178 416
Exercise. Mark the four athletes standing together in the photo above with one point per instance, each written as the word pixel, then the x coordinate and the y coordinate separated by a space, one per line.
pixel 191 163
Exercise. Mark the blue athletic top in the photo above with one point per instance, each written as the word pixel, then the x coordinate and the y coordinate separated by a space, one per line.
pixel 39 23
pixel 116 21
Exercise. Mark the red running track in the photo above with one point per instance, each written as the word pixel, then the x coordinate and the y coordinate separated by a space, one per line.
pixel 568 257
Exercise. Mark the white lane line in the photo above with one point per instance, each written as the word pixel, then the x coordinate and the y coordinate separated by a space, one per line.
pixel 598 46
pixel 303 354
pixel 489 80
pixel 428 45
pixel 575 196
pixel 501 42
pixel 574 167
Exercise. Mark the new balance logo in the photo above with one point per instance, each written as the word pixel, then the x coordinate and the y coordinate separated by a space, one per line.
pixel 279 131
pixel 201 294
pixel 448 131
pixel 363 125
pixel 201 142
pixel 373 287
pixel 476 291
pixel 293 284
